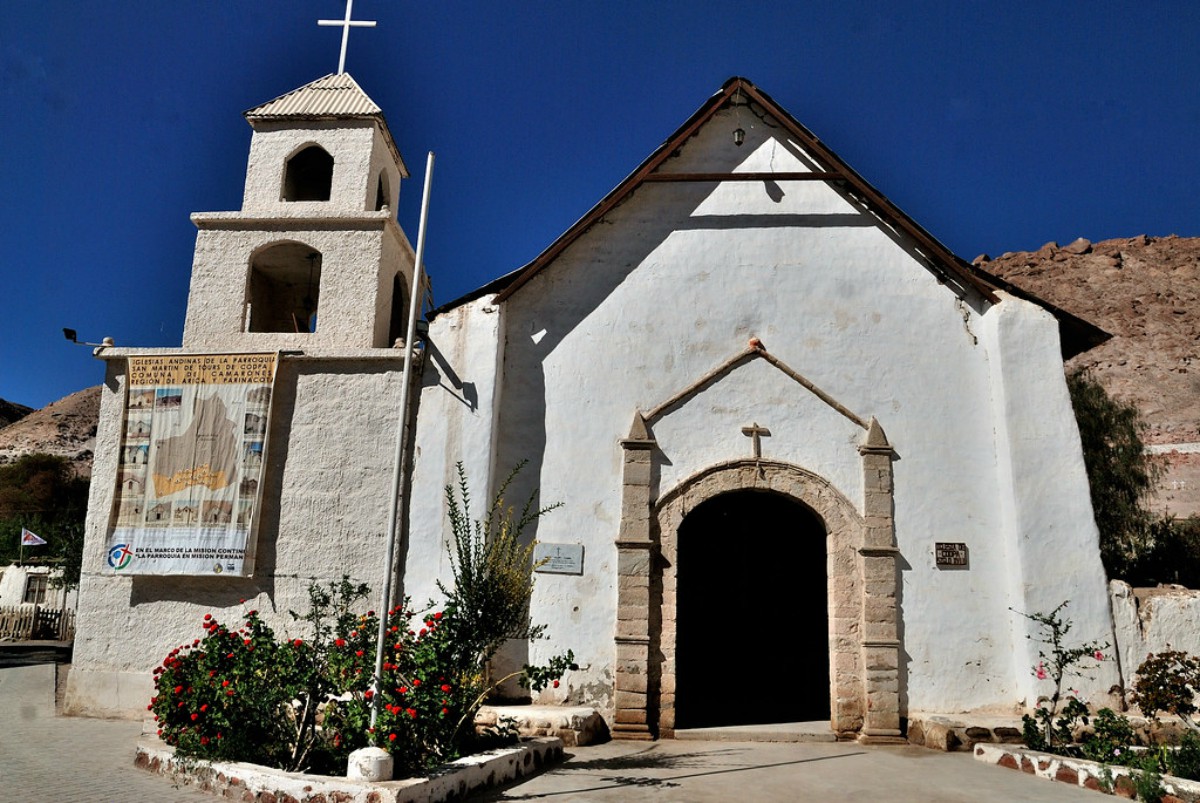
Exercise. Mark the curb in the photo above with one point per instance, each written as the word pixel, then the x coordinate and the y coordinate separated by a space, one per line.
pixel 1081 772
pixel 252 783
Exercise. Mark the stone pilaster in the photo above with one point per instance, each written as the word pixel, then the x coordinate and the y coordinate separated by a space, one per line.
pixel 635 554
pixel 877 561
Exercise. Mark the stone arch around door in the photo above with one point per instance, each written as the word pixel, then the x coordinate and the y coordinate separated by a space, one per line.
pixel 843 527
pixel 862 583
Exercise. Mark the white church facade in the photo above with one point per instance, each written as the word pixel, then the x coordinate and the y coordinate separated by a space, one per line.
pixel 811 463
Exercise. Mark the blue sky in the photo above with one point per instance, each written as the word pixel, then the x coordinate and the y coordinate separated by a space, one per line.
pixel 997 125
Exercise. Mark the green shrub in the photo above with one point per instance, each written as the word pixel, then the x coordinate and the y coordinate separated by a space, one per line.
pixel 306 703
pixel 1047 728
pixel 1168 681
pixel 1120 474
pixel 1147 780
pixel 1111 737
pixel 1185 761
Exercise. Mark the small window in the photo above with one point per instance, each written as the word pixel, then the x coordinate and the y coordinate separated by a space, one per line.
pixel 383 195
pixel 284 289
pixel 309 175
pixel 398 326
pixel 35 589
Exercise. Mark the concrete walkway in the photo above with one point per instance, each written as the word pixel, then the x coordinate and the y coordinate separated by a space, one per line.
pixel 49 758
pixel 45 758
pixel 721 772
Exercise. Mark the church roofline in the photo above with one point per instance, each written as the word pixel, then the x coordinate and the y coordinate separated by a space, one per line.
pixel 1078 334
pixel 336 96
pixel 949 267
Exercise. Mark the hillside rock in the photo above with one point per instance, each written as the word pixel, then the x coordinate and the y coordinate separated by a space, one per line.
pixel 1145 291
pixel 66 427
pixel 11 411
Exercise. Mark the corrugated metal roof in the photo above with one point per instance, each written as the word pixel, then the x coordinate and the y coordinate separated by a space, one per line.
pixel 335 95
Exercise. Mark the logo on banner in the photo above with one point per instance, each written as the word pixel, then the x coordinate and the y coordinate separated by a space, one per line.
pixel 120 556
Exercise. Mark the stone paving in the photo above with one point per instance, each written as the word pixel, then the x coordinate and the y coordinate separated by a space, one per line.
pixel 49 758
pixel 45 758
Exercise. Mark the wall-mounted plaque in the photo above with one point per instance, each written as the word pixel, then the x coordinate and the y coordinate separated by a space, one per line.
pixel 950 554
pixel 558 558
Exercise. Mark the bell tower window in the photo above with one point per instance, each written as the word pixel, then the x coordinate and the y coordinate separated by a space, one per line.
pixel 383 195
pixel 308 175
pixel 398 324
pixel 284 289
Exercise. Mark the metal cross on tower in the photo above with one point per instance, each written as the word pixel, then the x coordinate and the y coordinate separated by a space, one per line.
pixel 346 24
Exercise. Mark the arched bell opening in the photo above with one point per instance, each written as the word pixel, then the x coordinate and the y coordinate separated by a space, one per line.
pixel 308 175
pixel 284 289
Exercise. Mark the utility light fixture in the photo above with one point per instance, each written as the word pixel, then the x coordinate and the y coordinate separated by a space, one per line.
pixel 73 336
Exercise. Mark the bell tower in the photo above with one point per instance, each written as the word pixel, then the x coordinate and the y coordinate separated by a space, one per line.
pixel 315 258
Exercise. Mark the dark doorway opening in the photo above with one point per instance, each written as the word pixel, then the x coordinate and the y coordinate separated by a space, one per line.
pixel 752 614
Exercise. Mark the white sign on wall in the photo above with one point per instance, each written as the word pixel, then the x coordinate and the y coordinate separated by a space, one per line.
pixel 558 558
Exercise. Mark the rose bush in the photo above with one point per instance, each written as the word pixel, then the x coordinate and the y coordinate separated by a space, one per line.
pixel 304 702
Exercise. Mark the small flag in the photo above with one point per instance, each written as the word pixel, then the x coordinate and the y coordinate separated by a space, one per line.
pixel 29 539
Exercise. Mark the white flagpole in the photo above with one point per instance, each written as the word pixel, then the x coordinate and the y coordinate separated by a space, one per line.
pixel 414 312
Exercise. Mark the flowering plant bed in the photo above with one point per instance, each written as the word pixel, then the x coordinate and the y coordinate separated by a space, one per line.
pixel 406 683
pixel 1065 741
pixel 1118 780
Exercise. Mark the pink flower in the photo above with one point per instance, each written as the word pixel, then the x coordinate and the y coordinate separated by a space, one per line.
pixel 1041 671
pixel 1099 656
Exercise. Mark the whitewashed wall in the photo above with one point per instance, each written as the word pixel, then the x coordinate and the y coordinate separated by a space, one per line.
pixel 677 279
pixel 1150 620
pixel 324 515
pixel 14 579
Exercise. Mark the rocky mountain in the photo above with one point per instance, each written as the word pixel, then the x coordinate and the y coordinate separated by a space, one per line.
pixel 11 411
pixel 66 427
pixel 1145 291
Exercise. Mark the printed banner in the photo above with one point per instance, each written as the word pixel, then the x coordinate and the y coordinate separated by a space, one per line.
pixel 191 465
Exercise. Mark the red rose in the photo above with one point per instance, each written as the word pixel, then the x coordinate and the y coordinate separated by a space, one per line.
pixel 207 616
pixel 556 684
pixel 246 642
pixel 412 712
pixel 224 682
pixel 359 653
pixel 204 707
pixel 298 642
pixel 368 694
pixel 178 689
pixel 229 693
pixel 437 615
pixel 445 687
pixel 341 642
pixel 391 737
pixel 195 717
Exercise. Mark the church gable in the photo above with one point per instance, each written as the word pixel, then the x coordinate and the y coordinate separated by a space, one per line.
pixel 742 153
